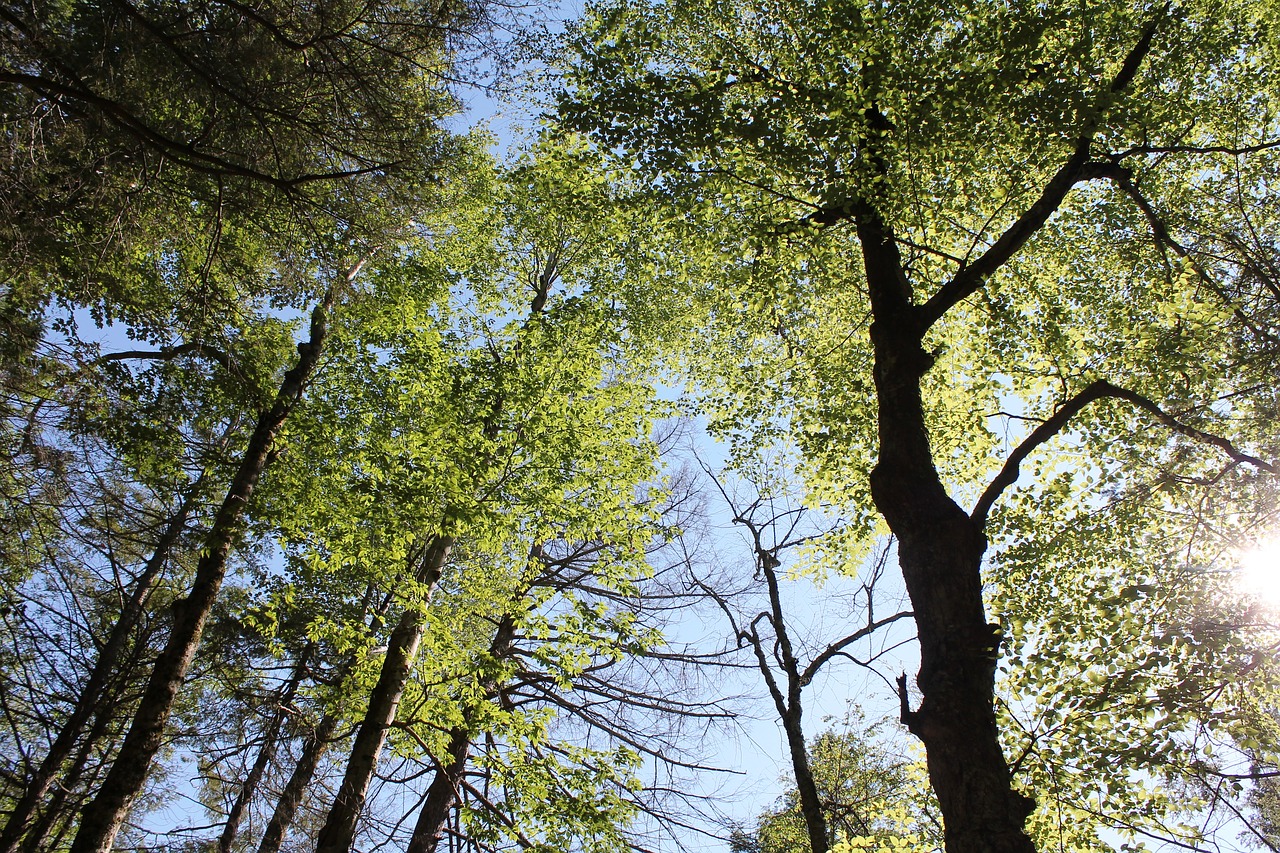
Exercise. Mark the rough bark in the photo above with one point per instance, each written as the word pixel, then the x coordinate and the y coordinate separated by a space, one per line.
pixel 270 742
pixel 339 829
pixel 940 548
pixel 104 815
pixel 88 702
pixel 313 748
pixel 443 791
pixel 291 797
pixel 940 552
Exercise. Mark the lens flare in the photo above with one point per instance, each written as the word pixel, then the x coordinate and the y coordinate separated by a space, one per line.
pixel 1260 571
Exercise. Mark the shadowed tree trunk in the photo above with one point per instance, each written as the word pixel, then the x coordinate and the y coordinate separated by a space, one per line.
pixel 88 702
pixel 940 547
pixel 339 829
pixel 104 815
pixel 940 552
pixel 443 792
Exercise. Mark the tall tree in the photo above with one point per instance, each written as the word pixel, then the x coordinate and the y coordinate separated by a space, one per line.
pixel 102 818
pixel 189 178
pixel 950 207
pixel 780 645
pixel 501 409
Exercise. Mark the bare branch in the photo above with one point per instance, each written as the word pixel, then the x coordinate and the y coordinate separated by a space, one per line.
pixel 839 646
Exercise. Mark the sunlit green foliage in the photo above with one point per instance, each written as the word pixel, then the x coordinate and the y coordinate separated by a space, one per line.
pixel 775 127
pixel 874 796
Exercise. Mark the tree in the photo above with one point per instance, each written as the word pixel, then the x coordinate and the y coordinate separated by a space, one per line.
pixel 93 698
pixel 444 439
pixel 127 117
pixel 185 180
pixel 870 794
pixel 776 529
pixel 103 816
pixel 941 211
pixel 140 440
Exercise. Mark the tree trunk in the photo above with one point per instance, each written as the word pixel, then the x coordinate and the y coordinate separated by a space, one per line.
pixel 443 792
pixel 807 790
pixel 789 706
pixel 46 817
pixel 104 815
pixel 270 741
pixel 940 552
pixel 107 665
pixel 291 797
pixel 339 829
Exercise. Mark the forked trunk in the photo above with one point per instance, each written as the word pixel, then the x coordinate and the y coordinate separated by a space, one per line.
pixel 940 551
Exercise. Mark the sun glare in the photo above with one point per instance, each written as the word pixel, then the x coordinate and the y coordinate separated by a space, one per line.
pixel 1260 570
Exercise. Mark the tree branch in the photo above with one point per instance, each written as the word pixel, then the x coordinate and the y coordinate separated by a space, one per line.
pixel 1134 60
pixel 169 353
pixel 1123 178
pixel 1191 432
pixel 498 812
pixel 970 278
pixel 1048 429
pixel 1077 169
pixel 1057 422
pixel 839 646
pixel 1229 150
pixel 188 154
